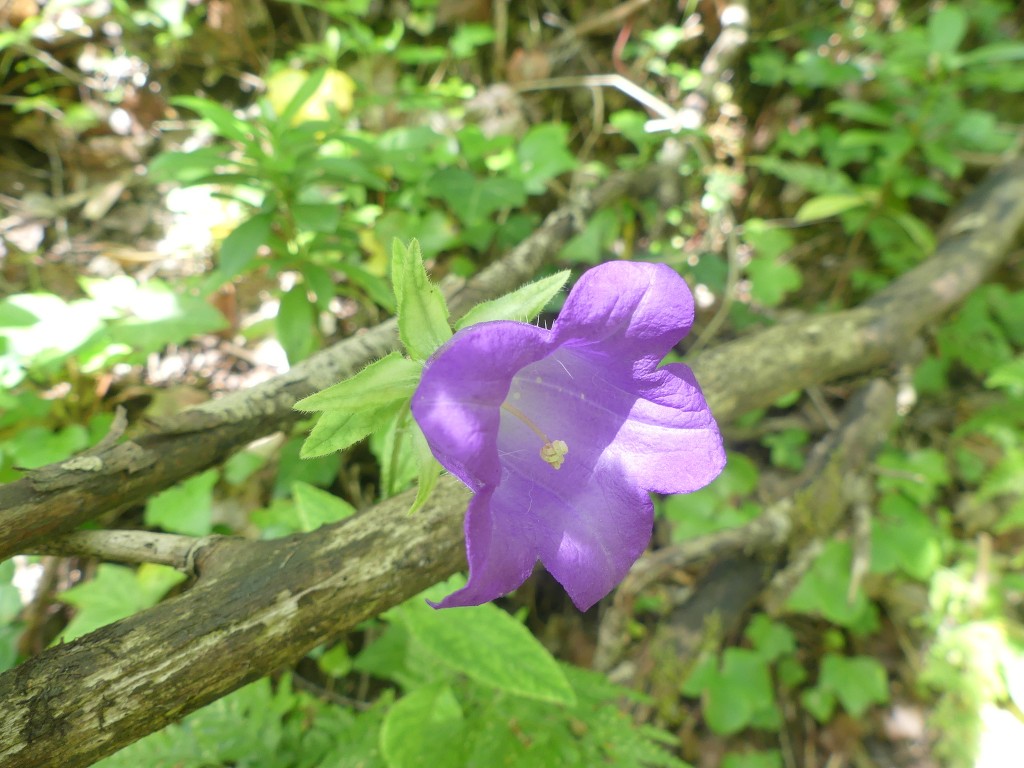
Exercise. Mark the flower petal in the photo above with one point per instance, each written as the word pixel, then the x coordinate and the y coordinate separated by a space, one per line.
pixel 457 403
pixel 605 530
pixel 627 313
pixel 670 443
pixel 586 535
pixel 500 548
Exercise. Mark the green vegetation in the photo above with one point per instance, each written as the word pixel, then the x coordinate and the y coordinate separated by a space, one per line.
pixel 198 196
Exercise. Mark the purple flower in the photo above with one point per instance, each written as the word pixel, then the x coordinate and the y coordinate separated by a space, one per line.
pixel 563 433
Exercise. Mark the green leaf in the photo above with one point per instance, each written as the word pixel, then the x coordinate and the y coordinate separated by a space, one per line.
pixel 916 230
pixel 522 304
pixel 10 598
pixel 824 590
pixel 239 248
pixel 62 327
pixel 116 593
pixel 873 114
pixel 904 538
pixel 380 383
pixel 474 199
pixel 337 430
pixel 422 310
pixel 186 168
pixel 185 508
pixel 543 155
pixel 37 446
pixel 396 453
pixel 741 694
pixel 1009 376
pixel 771 280
pixel 717 507
pixel 317 217
pixel 918 475
pixel 155 314
pixel 946 28
pixel 768 241
pixel 857 682
pixel 373 286
pixel 489 646
pixel 424 729
pixel 428 471
pixel 772 639
pixel 821 704
pixel 224 120
pixel 315 507
pixel 826 206
pixel 994 53
pixel 335 662
pixel 812 177
pixel 309 84
pixel 296 323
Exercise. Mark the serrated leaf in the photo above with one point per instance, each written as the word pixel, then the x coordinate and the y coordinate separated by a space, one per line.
pixel 422 310
pixel 424 729
pixel 380 383
pixel 489 646
pixel 522 304
pixel 337 430
pixel 825 206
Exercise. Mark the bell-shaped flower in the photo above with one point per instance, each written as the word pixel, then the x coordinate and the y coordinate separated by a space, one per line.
pixel 563 433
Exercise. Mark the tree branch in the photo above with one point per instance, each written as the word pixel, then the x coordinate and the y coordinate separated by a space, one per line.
pixel 257 606
pixel 126 547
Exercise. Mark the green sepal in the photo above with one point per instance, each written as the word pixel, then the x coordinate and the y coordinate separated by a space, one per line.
pixel 428 468
pixel 422 312
pixel 391 378
pixel 522 304
pixel 337 430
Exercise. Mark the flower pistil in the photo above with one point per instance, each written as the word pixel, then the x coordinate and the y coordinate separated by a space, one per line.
pixel 553 451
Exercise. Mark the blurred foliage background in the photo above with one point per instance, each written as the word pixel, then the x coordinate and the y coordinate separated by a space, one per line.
pixel 194 196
